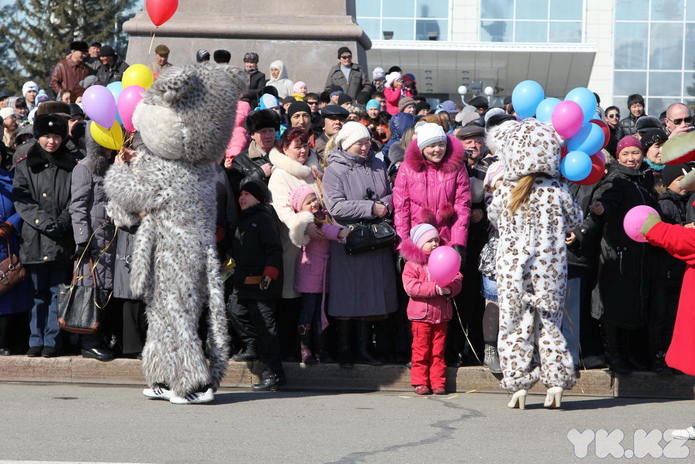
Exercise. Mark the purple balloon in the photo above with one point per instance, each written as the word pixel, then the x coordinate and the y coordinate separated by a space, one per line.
pixel 567 118
pixel 98 103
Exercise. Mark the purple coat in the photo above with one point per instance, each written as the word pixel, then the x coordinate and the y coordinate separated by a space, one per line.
pixel 438 194
pixel 364 284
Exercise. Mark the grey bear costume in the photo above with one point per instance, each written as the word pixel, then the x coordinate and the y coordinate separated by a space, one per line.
pixel 185 121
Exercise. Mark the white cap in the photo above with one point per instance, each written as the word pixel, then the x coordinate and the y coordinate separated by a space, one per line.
pixel 351 132
pixel 428 134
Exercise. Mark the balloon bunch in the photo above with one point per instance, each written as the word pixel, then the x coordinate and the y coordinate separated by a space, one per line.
pixel 575 120
pixel 113 106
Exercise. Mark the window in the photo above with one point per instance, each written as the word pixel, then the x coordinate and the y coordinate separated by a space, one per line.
pixel 544 21
pixel 655 51
pixel 407 19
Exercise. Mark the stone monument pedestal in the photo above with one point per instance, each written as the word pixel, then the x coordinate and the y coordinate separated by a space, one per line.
pixel 305 35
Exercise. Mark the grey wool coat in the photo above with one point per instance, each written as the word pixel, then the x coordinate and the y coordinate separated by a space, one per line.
pixel 364 284
pixel 89 219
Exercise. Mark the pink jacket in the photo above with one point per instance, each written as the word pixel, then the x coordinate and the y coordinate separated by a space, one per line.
pixel 240 138
pixel 437 194
pixel 425 305
pixel 393 96
pixel 311 267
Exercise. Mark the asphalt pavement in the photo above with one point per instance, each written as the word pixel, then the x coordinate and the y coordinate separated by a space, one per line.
pixel 64 423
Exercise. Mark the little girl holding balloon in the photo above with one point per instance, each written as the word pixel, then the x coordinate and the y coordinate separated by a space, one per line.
pixel 431 279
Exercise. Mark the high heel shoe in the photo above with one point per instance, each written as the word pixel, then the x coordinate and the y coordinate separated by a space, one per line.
pixel 553 398
pixel 518 400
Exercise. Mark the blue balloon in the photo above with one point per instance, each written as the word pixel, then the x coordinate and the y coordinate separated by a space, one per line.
pixel 575 166
pixel 588 139
pixel 115 88
pixel 586 99
pixel 544 112
pixel 526 97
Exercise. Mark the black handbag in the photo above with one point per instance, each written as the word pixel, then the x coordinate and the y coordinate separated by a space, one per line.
pixel 12 271
pixel 370 236
pixel 78 310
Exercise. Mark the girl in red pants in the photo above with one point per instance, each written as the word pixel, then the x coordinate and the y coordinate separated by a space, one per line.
pixel 429 311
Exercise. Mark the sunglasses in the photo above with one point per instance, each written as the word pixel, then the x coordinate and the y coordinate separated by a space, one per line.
pixel 345 57
pixel 312 103
pixel 678 121
pixel 614 115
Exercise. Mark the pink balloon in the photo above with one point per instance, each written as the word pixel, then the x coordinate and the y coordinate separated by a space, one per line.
pixel 634 219
pixel 127 101
pixel 567 118
pixel 98 103
pixel 444 264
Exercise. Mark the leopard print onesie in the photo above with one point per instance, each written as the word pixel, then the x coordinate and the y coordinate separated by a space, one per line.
pixel 532 258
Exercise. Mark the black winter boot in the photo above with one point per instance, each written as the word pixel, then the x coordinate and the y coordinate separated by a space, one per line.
pixel 345 358
pixel 614 357
pixel 365 345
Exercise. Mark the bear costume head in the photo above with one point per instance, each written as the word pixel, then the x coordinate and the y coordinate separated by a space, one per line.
pixel 188 113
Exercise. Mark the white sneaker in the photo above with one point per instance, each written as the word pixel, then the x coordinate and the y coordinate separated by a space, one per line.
pixel 194 398
pixel 158 392
pixel 684 434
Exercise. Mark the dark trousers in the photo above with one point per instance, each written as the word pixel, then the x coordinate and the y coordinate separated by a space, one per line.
pixel 662 314
pixel 45 279
pixel 262 314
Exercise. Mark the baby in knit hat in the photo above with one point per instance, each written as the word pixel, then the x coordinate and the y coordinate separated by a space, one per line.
pixel 311 269
pixel 429 310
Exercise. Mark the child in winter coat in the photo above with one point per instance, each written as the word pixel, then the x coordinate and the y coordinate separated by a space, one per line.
pixel 257 251
pixel 429 311
pixel 311 268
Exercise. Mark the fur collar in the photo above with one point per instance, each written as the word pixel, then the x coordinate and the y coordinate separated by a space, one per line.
pixel 61 158
pixel 293 167
pixel 96 161
pixel 412 252
pixel 453 159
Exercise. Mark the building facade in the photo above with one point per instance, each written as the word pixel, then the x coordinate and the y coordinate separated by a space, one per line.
pixel 614 47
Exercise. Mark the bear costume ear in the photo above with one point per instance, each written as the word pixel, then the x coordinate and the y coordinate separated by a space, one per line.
pixel 681 149
pixel 176 85
pixel 239 77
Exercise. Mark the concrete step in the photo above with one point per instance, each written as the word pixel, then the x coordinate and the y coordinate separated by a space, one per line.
pixel 595 382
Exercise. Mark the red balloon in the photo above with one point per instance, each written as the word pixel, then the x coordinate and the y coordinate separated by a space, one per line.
pixel 606 131
pixel 161 11
pixel 598 169
pixel 563 151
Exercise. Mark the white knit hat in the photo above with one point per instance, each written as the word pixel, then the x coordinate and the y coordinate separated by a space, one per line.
pixel 30 85
pixel 351 132
pixel 429 133
pixel 378 73
pixel 391 78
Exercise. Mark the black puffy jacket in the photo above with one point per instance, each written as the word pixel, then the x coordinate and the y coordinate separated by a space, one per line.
pixel 41 192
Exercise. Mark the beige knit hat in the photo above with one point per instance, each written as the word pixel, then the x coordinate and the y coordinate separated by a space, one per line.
pixel 351 132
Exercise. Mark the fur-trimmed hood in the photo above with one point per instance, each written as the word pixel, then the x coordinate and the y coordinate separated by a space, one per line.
pixel 412 252
pixel 293 167
pixel 96 161
pixel 453 159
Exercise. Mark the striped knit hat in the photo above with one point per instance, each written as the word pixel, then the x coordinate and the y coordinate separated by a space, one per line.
pixel 423 233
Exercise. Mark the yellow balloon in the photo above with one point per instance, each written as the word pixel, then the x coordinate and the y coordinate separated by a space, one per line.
pixel 138 74
pixel 109 138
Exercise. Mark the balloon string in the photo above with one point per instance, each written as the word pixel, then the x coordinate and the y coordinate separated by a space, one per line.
pixel 149 52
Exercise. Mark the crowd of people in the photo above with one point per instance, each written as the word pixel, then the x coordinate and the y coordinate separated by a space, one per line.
pixel 303 169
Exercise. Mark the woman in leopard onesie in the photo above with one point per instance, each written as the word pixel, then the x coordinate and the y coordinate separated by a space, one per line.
pixel 533 211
